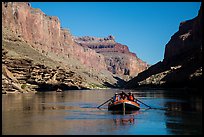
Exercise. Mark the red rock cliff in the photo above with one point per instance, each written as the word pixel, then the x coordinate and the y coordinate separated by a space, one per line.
pixel 45 34
pixel 118 58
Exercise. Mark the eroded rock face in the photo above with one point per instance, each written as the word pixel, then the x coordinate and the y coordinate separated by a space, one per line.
pixel 33 36
pixel 182 63
pixel 186 39
pixel 21 74
pixel 45 34
pixel 118 58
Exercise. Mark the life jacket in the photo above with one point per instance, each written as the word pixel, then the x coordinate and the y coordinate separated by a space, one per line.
pixel 117 98
pixel 131 98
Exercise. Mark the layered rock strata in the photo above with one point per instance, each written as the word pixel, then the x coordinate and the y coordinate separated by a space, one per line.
pixel 119 60
pixel 41 54
pixel 45 34
pixel 21 74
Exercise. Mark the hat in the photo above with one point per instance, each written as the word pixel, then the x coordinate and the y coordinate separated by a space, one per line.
pixel 116 93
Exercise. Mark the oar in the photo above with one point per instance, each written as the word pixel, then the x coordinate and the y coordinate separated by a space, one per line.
pixel 104 103
pixel 151 107
pixel 143 103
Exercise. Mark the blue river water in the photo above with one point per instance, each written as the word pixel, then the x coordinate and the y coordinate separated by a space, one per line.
pixel 75 112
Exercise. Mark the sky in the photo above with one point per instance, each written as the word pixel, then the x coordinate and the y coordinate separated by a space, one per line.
pixel 145 27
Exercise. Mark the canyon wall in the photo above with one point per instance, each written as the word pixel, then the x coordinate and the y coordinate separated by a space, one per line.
pixel 186 39
pixel 182 63
pixel 54 58
pixel 45 34
pixel 119 60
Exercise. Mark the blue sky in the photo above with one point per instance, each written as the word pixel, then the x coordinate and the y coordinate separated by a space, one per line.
pixel 145 27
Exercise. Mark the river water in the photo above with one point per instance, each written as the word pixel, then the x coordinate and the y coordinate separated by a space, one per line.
pixel 74 112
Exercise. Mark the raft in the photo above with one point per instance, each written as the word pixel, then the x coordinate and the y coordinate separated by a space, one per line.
pixel 123 105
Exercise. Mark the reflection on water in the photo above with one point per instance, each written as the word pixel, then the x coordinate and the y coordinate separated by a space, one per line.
pixel 75 112
pixel 186 114
pixel 127 119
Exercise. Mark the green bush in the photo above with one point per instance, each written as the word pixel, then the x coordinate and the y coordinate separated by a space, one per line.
pixel 23 86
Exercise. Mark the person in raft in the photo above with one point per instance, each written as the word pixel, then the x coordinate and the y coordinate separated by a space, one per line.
pixel 131 96
pixel 116 97
pixel 123 95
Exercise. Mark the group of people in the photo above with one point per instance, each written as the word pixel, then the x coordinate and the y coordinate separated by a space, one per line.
pixel 124 96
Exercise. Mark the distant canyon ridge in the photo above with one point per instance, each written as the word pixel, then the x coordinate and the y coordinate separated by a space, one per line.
pixel 118 58
pixel 38 39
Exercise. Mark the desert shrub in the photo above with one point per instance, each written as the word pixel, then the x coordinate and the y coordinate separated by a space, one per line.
pixel 23 86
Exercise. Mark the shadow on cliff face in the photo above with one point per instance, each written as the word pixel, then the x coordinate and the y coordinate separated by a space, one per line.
pixel 53 87
pixel 119 84
pixel 185 71
pixel 182 63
